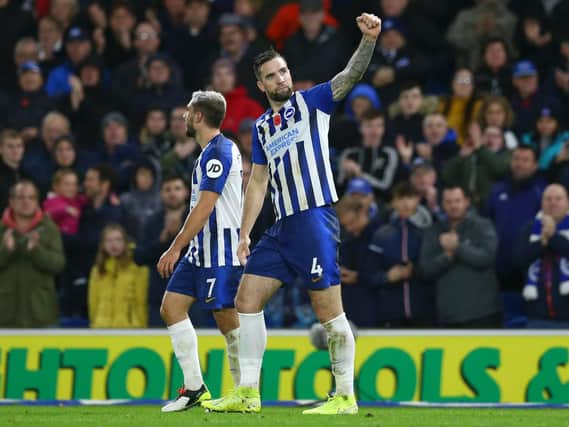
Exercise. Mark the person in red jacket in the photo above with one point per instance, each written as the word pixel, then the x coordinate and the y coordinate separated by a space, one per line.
pixel 239 105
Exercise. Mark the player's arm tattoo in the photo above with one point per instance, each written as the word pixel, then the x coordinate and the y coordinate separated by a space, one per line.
pixel 345 80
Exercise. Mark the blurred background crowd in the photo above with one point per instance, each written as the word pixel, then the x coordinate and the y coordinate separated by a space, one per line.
pixel 451 155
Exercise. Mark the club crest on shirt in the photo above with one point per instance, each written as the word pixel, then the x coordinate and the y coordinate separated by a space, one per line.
pixel 213 168
pixel 289 113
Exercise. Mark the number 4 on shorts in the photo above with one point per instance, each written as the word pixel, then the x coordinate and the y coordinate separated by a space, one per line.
pixel 316 268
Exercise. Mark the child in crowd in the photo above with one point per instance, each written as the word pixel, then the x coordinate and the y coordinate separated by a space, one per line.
pixel 64 204
pixel 118 288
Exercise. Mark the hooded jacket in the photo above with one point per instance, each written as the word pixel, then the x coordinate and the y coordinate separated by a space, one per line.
pixel 118 297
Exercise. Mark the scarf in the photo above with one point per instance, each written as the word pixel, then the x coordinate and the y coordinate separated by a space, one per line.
pixel 9 221
pixel 545 266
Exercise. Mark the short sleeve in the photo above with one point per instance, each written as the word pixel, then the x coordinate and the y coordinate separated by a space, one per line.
pixel 215 166
pixel 257 153
pixel 320 97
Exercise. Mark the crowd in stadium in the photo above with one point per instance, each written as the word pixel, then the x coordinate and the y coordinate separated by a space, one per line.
pixel 451 155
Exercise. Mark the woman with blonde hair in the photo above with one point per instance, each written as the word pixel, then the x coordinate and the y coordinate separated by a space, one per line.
pixel 118 288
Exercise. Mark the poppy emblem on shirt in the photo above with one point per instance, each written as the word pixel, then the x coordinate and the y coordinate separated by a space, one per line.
pixel 277 119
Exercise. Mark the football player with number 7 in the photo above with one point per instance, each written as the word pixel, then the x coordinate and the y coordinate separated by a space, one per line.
pixel 290 153
pixel 210 271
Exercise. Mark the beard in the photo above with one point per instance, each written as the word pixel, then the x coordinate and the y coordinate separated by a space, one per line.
pixel 190 131
pixel 282 96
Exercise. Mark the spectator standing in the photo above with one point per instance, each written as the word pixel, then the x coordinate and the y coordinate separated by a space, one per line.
pixel 88 102
pixel 511 204
pixel 548 137
pixel 132 75
pixel 11 171
pixel 30 103
pixel 462 106
pixel 118 150
pixel 458 256
pixel 359 223
pixel 102 208
pixel 15 23
pixel 476 167
pixel 159 231
pixel 142 201
pixel 375 161
pixel 437 146
pixel 197 35
pixel 240 105
pixel 118 288
pixel 395 62
pixel 528 97
pixel 494 76
pixel 545 252
pixel 64 204
pixel 407 114
pixel 77 47
pixel 497 111
pixel 424 179
pixel 38 156
pixel 391 265
pixel 31 254
pixel 472 26
pixel 316 51
pixel 116 40
pixel 161 91
pixel 179 161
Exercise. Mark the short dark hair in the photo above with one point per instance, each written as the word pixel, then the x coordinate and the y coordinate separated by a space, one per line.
pixel 211 104
pixel 451 187
pixel 404 189
pixel 106 174
pixel 410 85
pixel 492 40
pixel 9 134
pixel 262 58
pixel 173 177
pixel 64 138
pixel 527 147
pixel 371 114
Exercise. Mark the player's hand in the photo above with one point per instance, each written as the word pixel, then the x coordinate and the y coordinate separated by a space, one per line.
pixel 167 262
pixel 243 251
pixel 369 25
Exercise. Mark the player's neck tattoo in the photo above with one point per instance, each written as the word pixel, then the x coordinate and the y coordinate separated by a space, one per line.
pixel 344 81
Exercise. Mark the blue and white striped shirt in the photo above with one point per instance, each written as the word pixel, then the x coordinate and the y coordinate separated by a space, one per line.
pixel 294 144
pixel 218 169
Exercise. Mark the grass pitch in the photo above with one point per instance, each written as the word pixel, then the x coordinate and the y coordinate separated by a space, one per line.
pixel 140 416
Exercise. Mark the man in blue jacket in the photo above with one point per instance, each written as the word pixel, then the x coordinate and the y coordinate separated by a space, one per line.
pixel 391 265
pixel 511 204
pixel 78 47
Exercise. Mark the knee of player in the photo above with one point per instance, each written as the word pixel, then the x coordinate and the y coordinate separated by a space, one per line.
pixel 246 306
pixel 166 313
